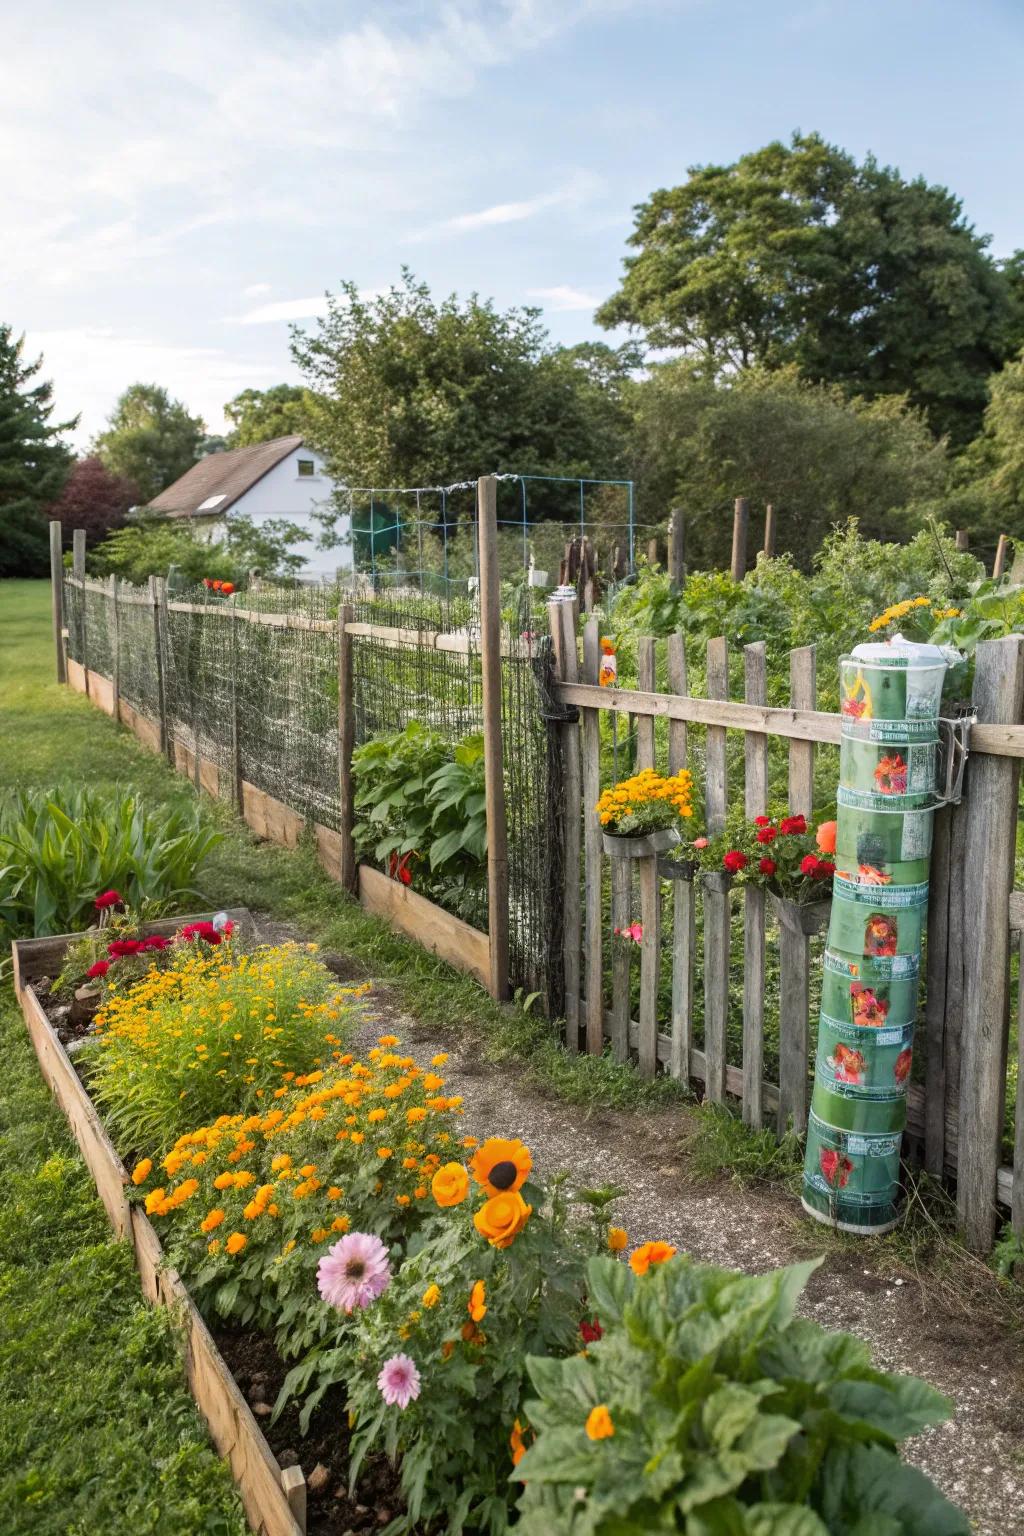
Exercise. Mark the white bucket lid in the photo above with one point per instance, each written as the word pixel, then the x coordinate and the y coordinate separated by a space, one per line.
pixel 900 651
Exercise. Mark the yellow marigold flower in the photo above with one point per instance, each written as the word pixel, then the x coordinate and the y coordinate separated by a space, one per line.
pixel 617 1239
pixel 415 1115
pixel 402 1200
pixel 388 1040
pixel 476 1305
pixel 420 1192
pixel 210 1220
pixel 280 1162
pixel 307 1170
pixel 358 1137
pixel 648 1254
pixel 153 1199
pixel 142 1171
pixel 439 1060
pixel 431 1296
pixel 409 1162
pixel 340 1224
pixel 384 1152
pixel 236 1242
pixel 376 1116
pixel 334 1192
pixel 599 1424
pixel 214 1246
pixel 318 1234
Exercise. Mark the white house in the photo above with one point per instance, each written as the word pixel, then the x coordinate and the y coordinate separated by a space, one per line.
pixel 278 479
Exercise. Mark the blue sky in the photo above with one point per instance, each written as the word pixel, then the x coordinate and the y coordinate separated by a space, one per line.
pixel 181 180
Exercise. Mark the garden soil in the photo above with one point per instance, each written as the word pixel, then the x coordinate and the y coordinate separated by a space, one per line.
pixel 911 1324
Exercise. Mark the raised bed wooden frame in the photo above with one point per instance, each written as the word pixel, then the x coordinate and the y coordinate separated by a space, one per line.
pixel 274 1498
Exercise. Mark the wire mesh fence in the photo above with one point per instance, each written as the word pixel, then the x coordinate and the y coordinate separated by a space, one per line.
pixel 245 691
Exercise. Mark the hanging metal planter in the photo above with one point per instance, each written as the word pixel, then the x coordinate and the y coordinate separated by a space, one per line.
pixel 806 917
pixel 645 847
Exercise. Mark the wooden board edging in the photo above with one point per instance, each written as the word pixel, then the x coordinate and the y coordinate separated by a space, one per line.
pixel 262 1488
pixel 441 932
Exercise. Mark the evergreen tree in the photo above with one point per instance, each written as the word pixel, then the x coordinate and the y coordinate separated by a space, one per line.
pixel 34 463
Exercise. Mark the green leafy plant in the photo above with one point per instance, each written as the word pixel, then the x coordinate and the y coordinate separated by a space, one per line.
pixel 709 1408
pixel 59 849
pixel 421 811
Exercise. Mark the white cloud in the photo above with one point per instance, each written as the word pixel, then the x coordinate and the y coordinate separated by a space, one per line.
pixel 577 190
pixel 562 298
pixel 282 309
pixel 256 290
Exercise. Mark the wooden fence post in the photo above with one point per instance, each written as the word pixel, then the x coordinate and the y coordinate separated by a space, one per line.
pixel 740 521
pixel 650 895
pixel 795 946
pixel 684 904
pixel 963 540
pixel 755 796
pixel 158 597
pixel 563 639
pixel 78 571
pixel 115 647
pixel 999 563
pixel 993 785
pixel 716 895
pixel 494 771
pixel 346 746
pixel 590 734
pixel 57 598
pixel 677 547
pixel 237 776
pixel 769 532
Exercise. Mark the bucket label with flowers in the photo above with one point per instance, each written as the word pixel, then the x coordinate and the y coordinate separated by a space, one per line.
pixel 890 696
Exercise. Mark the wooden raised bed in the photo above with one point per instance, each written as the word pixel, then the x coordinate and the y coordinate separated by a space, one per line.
pixel 274 1498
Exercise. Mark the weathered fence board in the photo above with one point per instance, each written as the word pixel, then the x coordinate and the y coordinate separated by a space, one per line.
pixel 755 803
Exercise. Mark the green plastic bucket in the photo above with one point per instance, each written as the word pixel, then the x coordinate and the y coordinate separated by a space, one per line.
pixel 871 994
pixel 861 1075
pixel 869 832
pixel 877 921
pixel 851 1179
pixel 890 769
pixel 880 682
pixel 875 873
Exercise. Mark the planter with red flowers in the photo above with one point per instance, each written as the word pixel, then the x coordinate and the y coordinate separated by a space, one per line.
pixel 793 864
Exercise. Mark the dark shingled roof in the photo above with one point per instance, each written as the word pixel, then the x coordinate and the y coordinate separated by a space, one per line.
pixel 222 474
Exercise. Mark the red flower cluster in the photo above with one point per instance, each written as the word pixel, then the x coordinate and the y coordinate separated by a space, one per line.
pixel 735 860
pixel 767 866
pixel 205 931
pixel 818 869
pixel 590 1332
pixel 108 899
pixel 793 825
pixel 225 588
pixel 118 948
pixel 766 834
pixel 99 969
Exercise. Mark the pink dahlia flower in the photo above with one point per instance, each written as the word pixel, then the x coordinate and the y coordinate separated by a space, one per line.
pixel 399 1381
pixel 354 1271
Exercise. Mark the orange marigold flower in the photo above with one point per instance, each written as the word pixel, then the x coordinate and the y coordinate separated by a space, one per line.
pixel 502 1218
pixel 142 1171
pixel 450 1185
pixel 236 1242
pixel 516 1444
pixel 153 1199
pixel 476 1305
pixel 648 1254
pixel 210 1220
pixel 384 1152
pixel 599 1423
pixel 501 1167
pixel 617 1239
pixel 431 1296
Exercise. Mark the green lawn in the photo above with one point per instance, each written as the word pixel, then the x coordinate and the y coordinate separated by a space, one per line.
pixel 97 1432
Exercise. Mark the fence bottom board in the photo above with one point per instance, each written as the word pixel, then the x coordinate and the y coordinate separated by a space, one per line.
pixel 441 932
pixel 271 818
pixel 232 1426
pixel 140 725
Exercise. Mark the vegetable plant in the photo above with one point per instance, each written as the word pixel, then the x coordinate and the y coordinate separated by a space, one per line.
pixel 59 848
pixel 709 1408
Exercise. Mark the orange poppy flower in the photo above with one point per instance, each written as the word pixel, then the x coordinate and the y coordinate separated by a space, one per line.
pixel 648 1254
pixel 501 1167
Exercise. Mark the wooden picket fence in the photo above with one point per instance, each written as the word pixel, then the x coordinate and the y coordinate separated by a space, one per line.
pixel 956 1116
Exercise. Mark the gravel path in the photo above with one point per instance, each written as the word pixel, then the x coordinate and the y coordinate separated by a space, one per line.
pixel 977 1457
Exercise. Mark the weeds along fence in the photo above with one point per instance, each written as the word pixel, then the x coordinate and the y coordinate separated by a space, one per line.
pixel 261 699
pixel 722 989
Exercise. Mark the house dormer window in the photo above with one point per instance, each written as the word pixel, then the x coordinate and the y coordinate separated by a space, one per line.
pixel 307 468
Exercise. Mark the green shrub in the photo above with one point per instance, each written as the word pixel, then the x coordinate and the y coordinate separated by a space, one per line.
pixel 709 1408
pixel 62 848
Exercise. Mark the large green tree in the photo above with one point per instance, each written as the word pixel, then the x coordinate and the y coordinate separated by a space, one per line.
pixel 773 436
pixel 150 439
pixel 34 463
pixel 409 391
pixel 258 415
pixel 797 253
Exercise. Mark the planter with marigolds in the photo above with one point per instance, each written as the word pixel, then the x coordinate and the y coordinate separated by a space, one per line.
pixel 641 816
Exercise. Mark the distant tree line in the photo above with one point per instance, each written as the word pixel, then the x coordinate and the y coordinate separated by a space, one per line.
pixel 803 329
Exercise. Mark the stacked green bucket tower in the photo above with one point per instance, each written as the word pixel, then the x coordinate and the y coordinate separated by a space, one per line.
pixel 890 695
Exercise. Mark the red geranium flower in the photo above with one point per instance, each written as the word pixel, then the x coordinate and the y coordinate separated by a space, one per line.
pixel 108 899
pixel 767 866
pixel 99 969
pixel 591 1331
pixel 734 861
pixel 762 821
pixel 793 825
pixel 217 585
pixel 121 947
pixel 808 864
pixel 207 583
pixel 823 869
pixel 156 941
pixel 767 835
pixel 205 931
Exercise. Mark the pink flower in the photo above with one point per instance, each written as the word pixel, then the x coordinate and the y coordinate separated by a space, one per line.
pixel 99 969
pixel 354 1272
pixel 399 1381
pixel 635 931
pixel 700 842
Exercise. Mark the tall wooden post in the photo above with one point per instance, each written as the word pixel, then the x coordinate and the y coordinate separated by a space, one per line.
pixel 755 795
pixel 115 646
pixel 237 794
pixel 78 572
pixel 590 733
pixel 794 943
pixel 158 598
pixel 57 599
pixel 494 770
pixel 562 624
pixel 999 563
pixel 677 547
pixel 740 521
pixel 769 532
pixel 346 746
pixel 652 551
pixel 992 788
pixel 963 540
